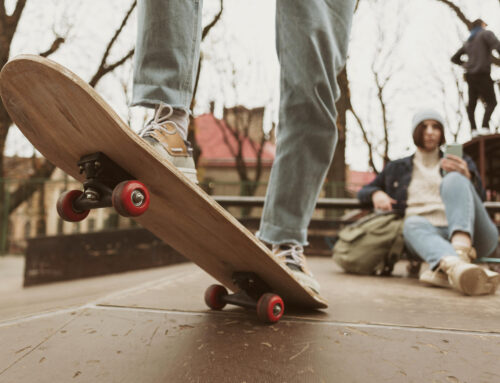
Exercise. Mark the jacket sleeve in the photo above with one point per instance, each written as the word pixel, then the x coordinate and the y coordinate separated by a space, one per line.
pixel 365 194
pixel 475 178
pixel 457 57
pixel 492 41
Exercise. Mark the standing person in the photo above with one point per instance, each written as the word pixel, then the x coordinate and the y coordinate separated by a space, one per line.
pixel 478 48
pixel 446 223
pixel 312 39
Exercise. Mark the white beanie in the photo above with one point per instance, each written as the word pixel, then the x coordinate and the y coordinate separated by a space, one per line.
pixel 426 114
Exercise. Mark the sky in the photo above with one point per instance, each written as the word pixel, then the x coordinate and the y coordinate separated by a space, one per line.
pixel 240 64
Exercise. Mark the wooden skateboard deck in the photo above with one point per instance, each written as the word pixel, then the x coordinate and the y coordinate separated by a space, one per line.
pixel 65 119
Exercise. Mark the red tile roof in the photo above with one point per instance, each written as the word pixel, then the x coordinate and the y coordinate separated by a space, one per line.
pixel 356 179
pixel 216 152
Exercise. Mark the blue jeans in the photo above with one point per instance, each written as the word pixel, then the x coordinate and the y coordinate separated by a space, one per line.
pixel 465 212
pixel 311 40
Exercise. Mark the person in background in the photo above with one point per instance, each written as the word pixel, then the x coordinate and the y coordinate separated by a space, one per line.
pixel 445 224
pixel 478 49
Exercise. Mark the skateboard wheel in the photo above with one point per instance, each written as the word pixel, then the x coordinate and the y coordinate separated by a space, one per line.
pixel 130 198
pixel 270 308
pixel 214 295
pixel 65 207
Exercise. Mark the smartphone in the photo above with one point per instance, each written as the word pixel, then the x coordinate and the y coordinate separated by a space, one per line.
pixel 455 149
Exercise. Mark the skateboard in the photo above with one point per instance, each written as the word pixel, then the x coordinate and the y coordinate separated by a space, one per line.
pixel 76 130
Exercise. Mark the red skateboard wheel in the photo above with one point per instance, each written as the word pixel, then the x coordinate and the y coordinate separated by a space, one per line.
pixel 130 198
pixel 270 308
pixel 65 207
pixel 214 295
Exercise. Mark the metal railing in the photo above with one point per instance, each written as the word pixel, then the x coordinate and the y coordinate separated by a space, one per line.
pixel 37 215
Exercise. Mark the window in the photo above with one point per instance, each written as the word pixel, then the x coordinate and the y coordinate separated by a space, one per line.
pixel 112 221
pixel 40 227
pixel 60 226
pixel 90 224
pixel 27 229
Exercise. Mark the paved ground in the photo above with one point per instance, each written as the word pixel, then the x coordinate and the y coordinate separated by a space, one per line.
pixel 152 326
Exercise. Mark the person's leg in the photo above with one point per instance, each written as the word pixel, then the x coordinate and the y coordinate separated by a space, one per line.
pixel 166 61
pixel 426 241
pixel 447 269
pixel 167 52
pixel 312 39
pixel 472 102
pixel 467 216
pixel 490 100
pixel 466 213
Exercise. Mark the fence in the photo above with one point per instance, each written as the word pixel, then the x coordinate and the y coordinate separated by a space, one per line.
pixel 37 215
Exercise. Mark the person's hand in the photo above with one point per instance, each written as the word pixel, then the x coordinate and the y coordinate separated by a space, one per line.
pixel 452 163
pixel 382 201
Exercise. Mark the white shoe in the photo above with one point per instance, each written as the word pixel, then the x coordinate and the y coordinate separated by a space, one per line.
pixel 435 278
pixel 468 278
pixel 163 135
pixel 293 257
pixel 480 132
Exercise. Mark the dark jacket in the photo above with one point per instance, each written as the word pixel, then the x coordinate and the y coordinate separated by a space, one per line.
pixel 396 177
pixel 478 50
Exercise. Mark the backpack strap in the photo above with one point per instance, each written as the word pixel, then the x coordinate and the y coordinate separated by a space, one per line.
pixel 395 252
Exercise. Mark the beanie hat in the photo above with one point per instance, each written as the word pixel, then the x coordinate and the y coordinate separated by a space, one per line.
pixel 426 114
pixel 419 117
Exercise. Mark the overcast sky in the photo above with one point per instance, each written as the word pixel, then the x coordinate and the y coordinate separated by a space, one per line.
pixel 429 34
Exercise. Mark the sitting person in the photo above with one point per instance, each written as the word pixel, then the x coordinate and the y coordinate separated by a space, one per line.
pixel 446 223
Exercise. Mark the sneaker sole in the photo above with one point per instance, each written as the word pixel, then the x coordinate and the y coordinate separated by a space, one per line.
pixel 428 277
pixel 475 281
pixel 307 281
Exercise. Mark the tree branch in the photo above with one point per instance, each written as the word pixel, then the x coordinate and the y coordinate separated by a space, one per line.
pixel 16 15
pixel 54 47
pixel 458 12
pixel 104 68
pixel 28 187
pixel 366 139
pixel 209 26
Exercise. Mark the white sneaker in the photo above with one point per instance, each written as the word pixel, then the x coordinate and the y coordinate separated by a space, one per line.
pixel 466 255
pixel 468 278
pixel 480 132
pixel 163 135
pixel 293 257
pixel 435 278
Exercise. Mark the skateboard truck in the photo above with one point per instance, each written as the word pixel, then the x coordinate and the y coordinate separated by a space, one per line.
pixel 253 294
pixel 105 185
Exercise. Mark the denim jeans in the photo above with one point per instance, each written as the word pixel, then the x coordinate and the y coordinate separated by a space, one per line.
pixel 464 211
pixel 311 41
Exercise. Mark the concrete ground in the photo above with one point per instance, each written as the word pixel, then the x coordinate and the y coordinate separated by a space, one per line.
pixel 153 326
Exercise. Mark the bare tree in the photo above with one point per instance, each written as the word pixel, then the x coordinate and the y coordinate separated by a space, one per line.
pixel 243 128
pixel 8 27
pixel 246 128
pixel 384 69
pixel 204 34
pixel 454 125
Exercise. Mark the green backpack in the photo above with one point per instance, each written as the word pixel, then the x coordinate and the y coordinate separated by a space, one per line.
pixel 372 245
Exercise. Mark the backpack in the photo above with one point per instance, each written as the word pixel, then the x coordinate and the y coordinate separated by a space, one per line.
pixel 371 245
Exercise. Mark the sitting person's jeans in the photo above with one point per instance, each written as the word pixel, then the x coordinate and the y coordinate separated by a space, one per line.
pixel 465 212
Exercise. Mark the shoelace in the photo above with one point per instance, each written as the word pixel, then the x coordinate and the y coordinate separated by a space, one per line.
pixel 294 253
pixel 158 120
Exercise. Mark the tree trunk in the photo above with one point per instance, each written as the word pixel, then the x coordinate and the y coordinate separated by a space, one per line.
pixel 336 176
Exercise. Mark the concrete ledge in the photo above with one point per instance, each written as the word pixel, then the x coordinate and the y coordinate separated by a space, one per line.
pixel 66 257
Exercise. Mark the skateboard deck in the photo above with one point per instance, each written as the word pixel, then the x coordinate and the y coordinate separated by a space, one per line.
pixel 65 119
